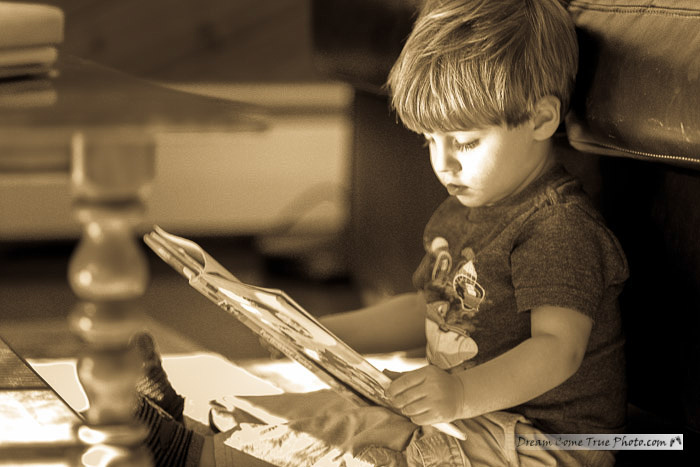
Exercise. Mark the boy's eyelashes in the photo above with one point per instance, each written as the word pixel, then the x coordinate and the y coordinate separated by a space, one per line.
pixel 459 146
pixel 466 146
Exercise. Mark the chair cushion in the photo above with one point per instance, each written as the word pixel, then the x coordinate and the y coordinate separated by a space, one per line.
pixel 638 88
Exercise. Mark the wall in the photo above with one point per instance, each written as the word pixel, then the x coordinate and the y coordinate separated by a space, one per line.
pixel 194 40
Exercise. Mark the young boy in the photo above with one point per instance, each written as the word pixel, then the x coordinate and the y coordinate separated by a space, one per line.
pixel 517 294
pixel 517 298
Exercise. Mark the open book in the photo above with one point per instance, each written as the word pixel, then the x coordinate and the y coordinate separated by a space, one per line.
pixel 281 322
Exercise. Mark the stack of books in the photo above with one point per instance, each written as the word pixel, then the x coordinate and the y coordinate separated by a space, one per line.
pixel 30 35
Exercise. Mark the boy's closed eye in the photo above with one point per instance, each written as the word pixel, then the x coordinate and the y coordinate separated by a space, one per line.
pixel 456 144
pixel 466 145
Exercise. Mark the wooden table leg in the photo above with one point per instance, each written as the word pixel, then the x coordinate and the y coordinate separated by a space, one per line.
pixel 108 272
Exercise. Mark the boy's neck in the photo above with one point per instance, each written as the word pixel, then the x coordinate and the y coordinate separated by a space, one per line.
pixel 547 161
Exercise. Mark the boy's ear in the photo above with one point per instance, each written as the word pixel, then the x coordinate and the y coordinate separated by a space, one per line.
pixel 546 117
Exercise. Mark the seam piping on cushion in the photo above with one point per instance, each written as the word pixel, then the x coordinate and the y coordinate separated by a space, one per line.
pixel 636 9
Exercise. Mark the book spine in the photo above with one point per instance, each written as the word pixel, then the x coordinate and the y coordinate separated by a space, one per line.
pixel 211 292
pixel 316 370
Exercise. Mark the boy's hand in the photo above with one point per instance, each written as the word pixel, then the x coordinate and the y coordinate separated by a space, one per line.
pixel 427 395
pixel 392 374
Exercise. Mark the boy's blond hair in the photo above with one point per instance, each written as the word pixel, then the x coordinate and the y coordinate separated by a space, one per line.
pixel 469 64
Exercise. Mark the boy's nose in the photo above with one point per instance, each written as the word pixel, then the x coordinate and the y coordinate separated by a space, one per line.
pixel 444 159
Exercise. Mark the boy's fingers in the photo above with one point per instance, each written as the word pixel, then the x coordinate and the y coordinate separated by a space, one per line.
pixel 424 418
pixel 404 383
pixel 407 399
pixel 416 408
pixel 392 374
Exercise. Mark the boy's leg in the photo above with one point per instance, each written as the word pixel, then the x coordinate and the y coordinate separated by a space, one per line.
pixel 322 428
pixel 160 409
pixel 169 441
pixel 491 440
pixel 154 383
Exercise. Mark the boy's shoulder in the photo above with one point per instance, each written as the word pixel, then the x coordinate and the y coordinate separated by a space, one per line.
pixel 561 199
pixel 565 222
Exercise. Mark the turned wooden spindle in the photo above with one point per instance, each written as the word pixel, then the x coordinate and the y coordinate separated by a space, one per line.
pixel 110 176
pixel 111 119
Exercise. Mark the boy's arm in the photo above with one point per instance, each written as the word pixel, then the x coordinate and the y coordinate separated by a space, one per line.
pixel 395 324
pixel 552 354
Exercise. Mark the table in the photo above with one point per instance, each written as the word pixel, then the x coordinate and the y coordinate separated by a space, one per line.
pixel 96 125
pixel 34 421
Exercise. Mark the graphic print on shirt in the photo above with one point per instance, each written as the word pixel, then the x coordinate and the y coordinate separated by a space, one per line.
pixel 453 299
pixel 465 283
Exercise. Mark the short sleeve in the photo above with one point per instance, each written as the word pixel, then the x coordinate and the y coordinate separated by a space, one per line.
pixel 566 257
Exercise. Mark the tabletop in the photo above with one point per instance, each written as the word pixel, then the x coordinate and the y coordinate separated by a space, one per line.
pixel 38 114
pixel 34 421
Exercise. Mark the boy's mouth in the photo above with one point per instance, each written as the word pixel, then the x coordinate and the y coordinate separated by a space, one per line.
pixel 455 190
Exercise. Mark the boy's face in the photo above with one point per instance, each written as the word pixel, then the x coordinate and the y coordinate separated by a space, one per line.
pixel 481 167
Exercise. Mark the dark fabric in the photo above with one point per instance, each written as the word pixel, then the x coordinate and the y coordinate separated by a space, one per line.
pixel 638 87
pixel 543 246
pixel 653 210
pixel 154 383
pixel 170 443
pixel 637 96
pixel 160 409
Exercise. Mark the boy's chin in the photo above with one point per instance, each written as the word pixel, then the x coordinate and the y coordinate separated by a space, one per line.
pixel 465 196
pixel 470 201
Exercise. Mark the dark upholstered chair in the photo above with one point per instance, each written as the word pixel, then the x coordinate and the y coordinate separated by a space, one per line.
pixel 635 127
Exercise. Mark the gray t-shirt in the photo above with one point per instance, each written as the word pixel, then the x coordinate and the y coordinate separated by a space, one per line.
pixel 546 245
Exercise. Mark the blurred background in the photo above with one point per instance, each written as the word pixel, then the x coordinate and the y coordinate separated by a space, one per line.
pixel 293 175
pixel 322 204
pixel 272 206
